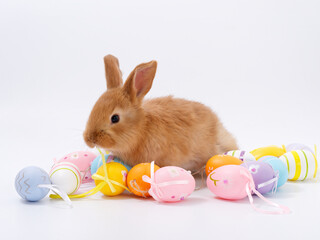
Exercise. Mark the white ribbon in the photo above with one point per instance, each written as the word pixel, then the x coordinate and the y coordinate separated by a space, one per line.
pixel 155 190
pixel 58 191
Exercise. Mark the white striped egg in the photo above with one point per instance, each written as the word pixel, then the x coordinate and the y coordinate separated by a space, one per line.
pixel 241 154
pixel 301 164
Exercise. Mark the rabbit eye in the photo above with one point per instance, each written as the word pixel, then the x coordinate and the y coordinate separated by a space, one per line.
pixel 115 118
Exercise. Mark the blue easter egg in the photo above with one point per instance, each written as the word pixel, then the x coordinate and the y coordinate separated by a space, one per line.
pixel 27 181
pixel 278 166
pixel 97 162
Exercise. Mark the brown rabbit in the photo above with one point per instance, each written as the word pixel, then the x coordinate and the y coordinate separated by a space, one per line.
pixel 166 130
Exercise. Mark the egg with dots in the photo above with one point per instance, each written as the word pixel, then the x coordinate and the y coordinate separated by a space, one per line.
pixel 170 184
pixel 234 182
pixel 116 178
pixel 83 160
pixel 264 177
pixel 230 181
pixel 134 179
pixel 221 160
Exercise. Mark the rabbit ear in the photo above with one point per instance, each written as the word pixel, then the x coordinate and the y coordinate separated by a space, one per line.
pixel 140 80
pixel 113 73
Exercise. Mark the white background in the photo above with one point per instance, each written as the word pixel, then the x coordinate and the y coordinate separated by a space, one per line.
pixel 256 63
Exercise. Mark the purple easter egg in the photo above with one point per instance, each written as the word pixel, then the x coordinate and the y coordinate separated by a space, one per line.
pixel 261 173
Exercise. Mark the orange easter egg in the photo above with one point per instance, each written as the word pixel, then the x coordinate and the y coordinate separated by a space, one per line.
pixel 134 179
pixel 221 160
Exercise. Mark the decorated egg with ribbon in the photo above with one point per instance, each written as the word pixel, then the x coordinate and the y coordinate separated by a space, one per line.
pixel 221 160
pixel 115 182
pixel 67 176
pixel 97 162
pixel 33 184
pixel 230 181
pixel 241 154
pixel 27 182
pixel 170 184
pixel 268 151
pixel 81 159
pixel 263 175
pixel 301 164
pixel 235 182
pixel 134 179
pixel 278 167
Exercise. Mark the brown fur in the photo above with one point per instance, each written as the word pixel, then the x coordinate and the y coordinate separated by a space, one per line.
pixel 166 130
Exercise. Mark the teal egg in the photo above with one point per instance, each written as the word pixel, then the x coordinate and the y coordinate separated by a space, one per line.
pixel 97 162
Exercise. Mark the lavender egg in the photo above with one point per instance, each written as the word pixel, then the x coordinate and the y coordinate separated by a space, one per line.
pixel 261 173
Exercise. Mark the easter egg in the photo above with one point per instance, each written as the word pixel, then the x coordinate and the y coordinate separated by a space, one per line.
pixel 134 179
pixel 263 175
pixel 230 181
pixel 221 160
pixel 116 172
pixel 81 159
pixel 27 181
pixel 97 162
pixel 241 154
pixel 66 176
pixel 267 151
pixel 171 184
pixel 298 146
pixel 278 166
pixel 301 164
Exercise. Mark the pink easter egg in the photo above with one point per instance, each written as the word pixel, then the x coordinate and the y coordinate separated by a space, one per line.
pixel 172 184
pixel 230 181
pixel 83 160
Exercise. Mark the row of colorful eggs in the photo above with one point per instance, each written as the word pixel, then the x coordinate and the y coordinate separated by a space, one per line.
pixel 78 167
pixel 300 160
pixel 167 184
pixel 267 174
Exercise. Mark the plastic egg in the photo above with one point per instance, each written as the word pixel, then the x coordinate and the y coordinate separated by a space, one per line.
pixel 221 160
pixel 97 162
pixel 171 184
pixel 301 164
pixel 262 174
pixel 66 176
pixel 134 179
pixel 298 146
pixel 230 181
pixel 241 154
pixel 27 181
pixel 83 160
pixel 278 166
pixel 267 151
pixel 116 172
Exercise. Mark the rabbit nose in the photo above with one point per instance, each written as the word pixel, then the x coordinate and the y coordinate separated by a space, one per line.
pixel 90 139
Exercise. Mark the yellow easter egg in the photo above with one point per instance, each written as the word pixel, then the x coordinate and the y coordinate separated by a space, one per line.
pixel 116 172
pixel 268 151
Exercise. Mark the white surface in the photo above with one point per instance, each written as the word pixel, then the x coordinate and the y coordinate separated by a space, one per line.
pixel 256 63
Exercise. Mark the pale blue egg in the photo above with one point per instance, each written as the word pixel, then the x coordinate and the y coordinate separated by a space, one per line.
pixel 97 162
pixel 27 181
